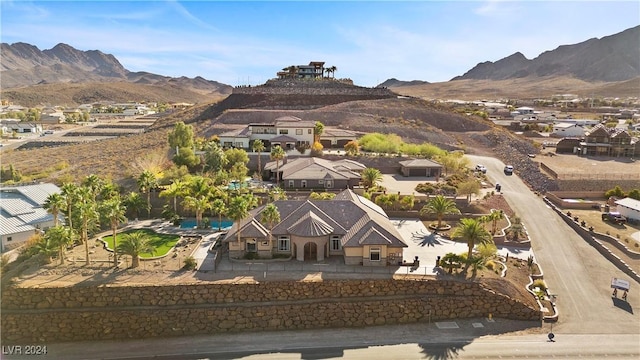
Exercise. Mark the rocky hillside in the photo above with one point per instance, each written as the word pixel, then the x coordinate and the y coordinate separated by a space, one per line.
pixel 25 65
pixel 611 58
pixel 83 93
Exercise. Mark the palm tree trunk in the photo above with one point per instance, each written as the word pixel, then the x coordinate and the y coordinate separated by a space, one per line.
pixel 69 216
pixel 55 218
pixel 149 203
pixel 219 222
pixel 115 245
pixel 135 261
pixel 86 241
pixel 61 254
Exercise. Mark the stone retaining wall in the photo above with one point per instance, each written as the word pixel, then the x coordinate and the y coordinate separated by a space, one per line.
pixel 93 313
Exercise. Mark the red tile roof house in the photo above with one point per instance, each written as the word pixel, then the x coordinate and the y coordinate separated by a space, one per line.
pixel 349 226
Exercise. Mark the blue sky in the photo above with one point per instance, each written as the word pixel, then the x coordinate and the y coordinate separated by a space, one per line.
pixel 242 42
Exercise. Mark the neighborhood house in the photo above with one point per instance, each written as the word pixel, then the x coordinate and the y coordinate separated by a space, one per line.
pixel 316 173
pixel 349 226
pixel 288 132
pixel 22 214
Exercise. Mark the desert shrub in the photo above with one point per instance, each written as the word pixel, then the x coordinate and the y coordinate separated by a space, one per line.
pixel 190 263
pixel 425 188
pixel 490 264
pixel 487 250
pixel 539 283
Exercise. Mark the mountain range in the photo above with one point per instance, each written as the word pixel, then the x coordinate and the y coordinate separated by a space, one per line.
pixel 25 65
pixel 595 62
pixel 609 59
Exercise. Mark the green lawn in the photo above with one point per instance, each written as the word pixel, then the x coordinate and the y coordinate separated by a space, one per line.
pixel 161 242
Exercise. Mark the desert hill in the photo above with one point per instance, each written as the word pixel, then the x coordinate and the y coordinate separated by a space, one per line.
pixel 609 59
pixel 74 94
pixel 606 67
pixel 23 66
pixel 522 88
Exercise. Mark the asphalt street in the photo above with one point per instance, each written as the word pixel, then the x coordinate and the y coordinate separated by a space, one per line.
pixel 574 271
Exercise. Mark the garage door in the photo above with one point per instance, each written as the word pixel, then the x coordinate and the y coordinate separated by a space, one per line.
pixel 342 143
pixel 325 143
pixel 417 172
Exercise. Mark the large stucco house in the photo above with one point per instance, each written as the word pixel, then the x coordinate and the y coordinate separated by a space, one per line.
pixel 316 173
pixel 349 226
pixel 288 132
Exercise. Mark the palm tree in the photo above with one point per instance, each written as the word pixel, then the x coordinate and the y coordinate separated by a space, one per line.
pixel 277 154
pixel 371 177
pixel 134 202
pixel 258 146
pixel 53 204
pixel 95 183
pixel 494 217
pixel 147 181
pixel 197 204
pixel 318 130
pixel 198 186
pixel 333 70
pixel 176 189
pixel 219 207
pixel 473 232
pixel 238 210
pixel 43 245
pixel 270 216
pixel 516 229
pixel 59 237
pixel 215 157
pixel 114 210
pixel 134 244
pixel 69 191
pixel 88 214
pixel 109 190
pixel 440 206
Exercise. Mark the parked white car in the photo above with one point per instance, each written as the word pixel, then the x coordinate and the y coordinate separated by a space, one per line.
pixel 481 168
pixel 508 170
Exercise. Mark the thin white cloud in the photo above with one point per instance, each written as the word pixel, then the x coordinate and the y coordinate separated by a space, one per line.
pixel 29 11
pixel 175 5
pixel 496 9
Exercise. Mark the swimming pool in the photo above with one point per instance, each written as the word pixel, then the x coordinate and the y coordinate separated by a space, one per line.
pixel 191 223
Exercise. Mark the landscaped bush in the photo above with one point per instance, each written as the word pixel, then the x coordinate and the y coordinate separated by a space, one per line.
pixel 539 283
pixel 190 263
pixel 490 264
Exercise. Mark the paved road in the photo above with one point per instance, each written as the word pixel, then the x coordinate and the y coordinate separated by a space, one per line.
pixel 467 339
pixel 573 269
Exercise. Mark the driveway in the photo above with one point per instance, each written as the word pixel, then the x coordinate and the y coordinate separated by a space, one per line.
pixel 405 185
pixel 573 270
pixel 428 246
